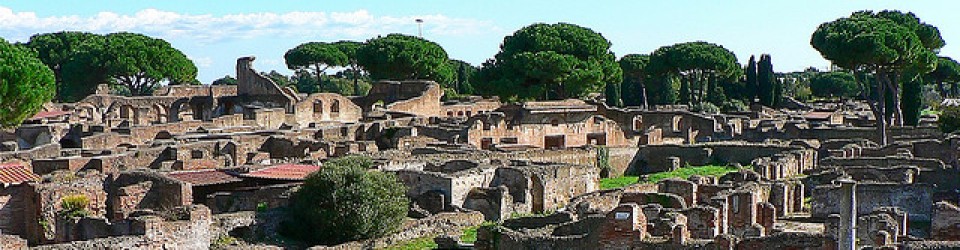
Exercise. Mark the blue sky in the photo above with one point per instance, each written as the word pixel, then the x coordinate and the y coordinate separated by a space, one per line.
pixel 215 33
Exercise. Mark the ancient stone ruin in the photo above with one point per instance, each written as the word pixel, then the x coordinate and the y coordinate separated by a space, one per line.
pixel 192 164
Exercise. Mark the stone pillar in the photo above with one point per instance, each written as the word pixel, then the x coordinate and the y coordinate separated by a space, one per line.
pixel 741 211
pixel 679 235
pixel 767 215
pixel 779 198
pixel 848 214
pixel 798 196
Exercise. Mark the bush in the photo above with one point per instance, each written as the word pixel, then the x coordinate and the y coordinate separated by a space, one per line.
pixel 735 106
pixel 74 206
pixel 949 119
pixel 344 202
pixel 705 107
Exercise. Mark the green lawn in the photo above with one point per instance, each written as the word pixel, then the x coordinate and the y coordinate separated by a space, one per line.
pixel 930 112
pixel 618 182
pixel 469 236
pixel 682 173
pixel 415 244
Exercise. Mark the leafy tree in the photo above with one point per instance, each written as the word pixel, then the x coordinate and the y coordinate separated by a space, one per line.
pixel 666 90
pixel 346 202
pixel 612 95
pixel 315 56
pixel 836 84
pixel 550 61
pixel 635 78
pixel 695 63
pixel 26 83
pixel 279 78
pixel 54 50
pixel 874 44
pixel 350 48
pixel 949 121
pixel 464 75
pixel 225 80
pixel 403 57
pixel 766 82
pixel 947 73
pixel 134 61
pixel 306 83
pixel 752 85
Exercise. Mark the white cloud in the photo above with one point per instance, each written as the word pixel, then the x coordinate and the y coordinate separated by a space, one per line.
pixel 360 24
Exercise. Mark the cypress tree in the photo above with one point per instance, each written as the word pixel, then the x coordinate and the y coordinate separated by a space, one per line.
pixel 684 97
pixel 912 101
pixel 751 85
pixel 766 81
pixel 612 94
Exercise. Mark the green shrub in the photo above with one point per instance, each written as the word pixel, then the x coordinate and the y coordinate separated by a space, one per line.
pixel 705 107
pixel 949 119
pixel 74 206
pixel 344 202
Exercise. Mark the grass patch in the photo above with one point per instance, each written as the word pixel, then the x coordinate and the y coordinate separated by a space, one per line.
pixel 618 182
pixel 469 235
pixel 929 111
pixel 686 172
pixel 415 244
pixel 682 173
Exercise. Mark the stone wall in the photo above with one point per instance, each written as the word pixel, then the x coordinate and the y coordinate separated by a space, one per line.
pixel 792 240
pixel 138 190
pixel 421 98
pixel 945 223
pixel 915 199
pixel 252 83
pixel 439 224
pixel 44 205
pixel 191 231
pixel 272 196
pixel 12 242
pixel 13 207
pixel 661 158
pixel 575 130
pixel 326 108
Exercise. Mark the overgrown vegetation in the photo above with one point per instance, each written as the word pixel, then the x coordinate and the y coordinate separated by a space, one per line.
pixel 682 173
pixel 686 172
pixel 344 202
pixel 618 182
pixel 74 206
pixel 415 244
pixel 949 121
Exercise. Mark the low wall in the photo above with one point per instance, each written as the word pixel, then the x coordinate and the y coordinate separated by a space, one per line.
pixel 657 158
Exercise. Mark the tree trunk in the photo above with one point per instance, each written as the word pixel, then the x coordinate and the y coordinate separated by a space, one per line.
pixel 319 72
pixel 356 82
pixel 881 114
pixel 643 92
pixel 895 90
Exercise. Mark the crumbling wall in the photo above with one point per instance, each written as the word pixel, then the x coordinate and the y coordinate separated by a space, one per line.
pixel 192 231
pixel 131 191
pixel 915 199
pixel 13 209
pixel 945 223
pixel 660 158
pixel 789 240
pixel 252 83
